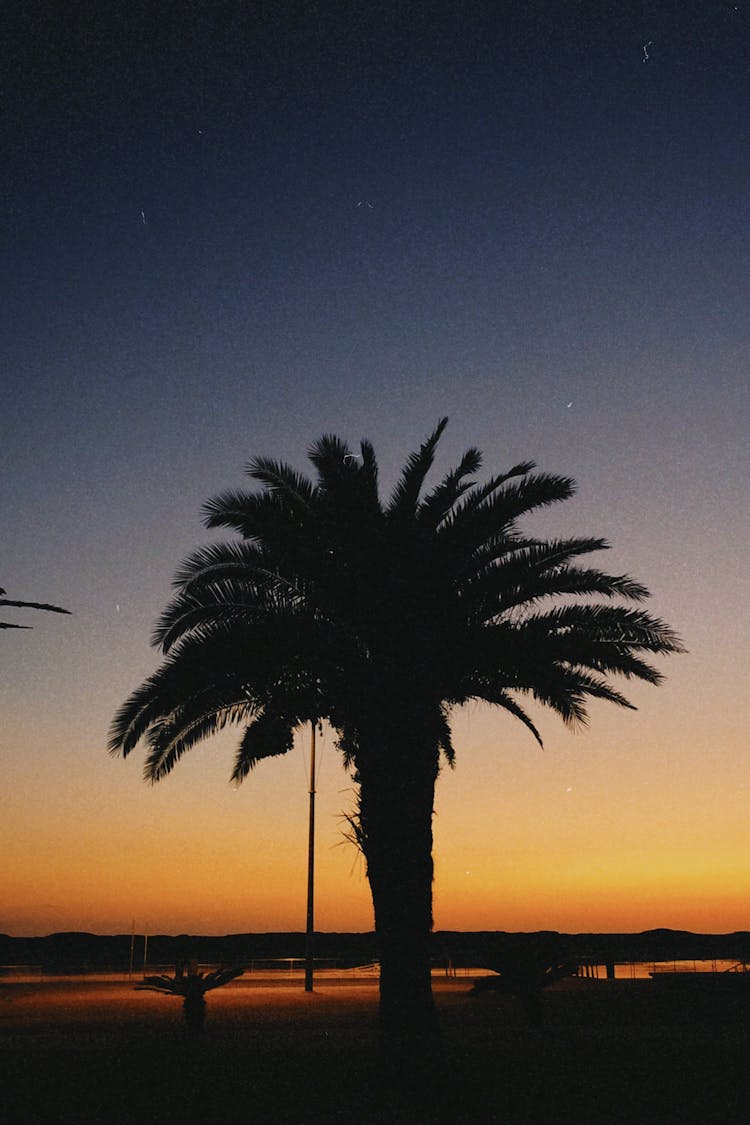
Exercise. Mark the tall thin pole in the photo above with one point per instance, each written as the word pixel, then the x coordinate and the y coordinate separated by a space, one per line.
pixel 132 948
pixel 310 869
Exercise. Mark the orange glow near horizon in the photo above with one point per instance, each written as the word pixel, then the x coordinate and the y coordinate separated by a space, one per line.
pixel 573 839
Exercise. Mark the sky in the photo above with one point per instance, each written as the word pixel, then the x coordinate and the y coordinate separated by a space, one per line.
pixel 231 228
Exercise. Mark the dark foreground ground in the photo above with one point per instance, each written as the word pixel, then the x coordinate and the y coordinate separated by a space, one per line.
pixel 99 1053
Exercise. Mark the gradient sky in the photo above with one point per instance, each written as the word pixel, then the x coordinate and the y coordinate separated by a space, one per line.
pixel 236 227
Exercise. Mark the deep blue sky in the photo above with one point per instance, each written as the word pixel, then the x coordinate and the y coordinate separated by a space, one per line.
pixel 230 228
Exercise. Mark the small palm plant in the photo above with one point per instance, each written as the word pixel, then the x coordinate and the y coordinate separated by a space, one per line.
pixel 193 988
pixel 526 964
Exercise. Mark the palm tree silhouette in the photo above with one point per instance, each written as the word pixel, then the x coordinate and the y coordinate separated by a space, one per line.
pixel 26 605
pixel 192 987
pixel 380 618
pixel 525 965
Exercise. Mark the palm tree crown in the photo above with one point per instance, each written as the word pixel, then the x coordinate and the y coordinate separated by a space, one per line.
pixel 333 605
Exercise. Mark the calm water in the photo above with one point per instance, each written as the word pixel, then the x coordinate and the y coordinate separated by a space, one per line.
pixel 292 969
pixel 641 970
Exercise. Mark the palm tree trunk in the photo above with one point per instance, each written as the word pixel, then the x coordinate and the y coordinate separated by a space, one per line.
pixel 396 804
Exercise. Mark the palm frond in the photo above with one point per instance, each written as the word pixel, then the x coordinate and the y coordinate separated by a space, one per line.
pixel 222 603
pixel 186 613
pixel 26 605
pixel 565 690
pixel 610 659
pixel 282 478
pixel 346 743
pixel 330 456
pixel 131 721
pixel 444 738
pixel 360 497
pixel 233 509
pixel 436 505
pixel 506 566
pixel 506 659
pixel 201 717
pixel 613 624
pixel 370 466
pixel 500 698
pixel 481 492
pixel 498 595
pixel 282 534
pixel 533 556
pixel 206 660
pixel 190 984
pixel 562 695
pixel 598 688
pixel 474 524
pixel 403 502
pixel 219 977
pixel 34 605
pixel 236 558
pixel 471 565
pixel 208 681
pixel 268 736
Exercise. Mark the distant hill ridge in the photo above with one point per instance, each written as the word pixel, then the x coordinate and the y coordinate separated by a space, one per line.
pixel 78 951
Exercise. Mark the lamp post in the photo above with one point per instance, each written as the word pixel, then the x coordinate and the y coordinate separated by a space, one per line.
pixel 310 869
